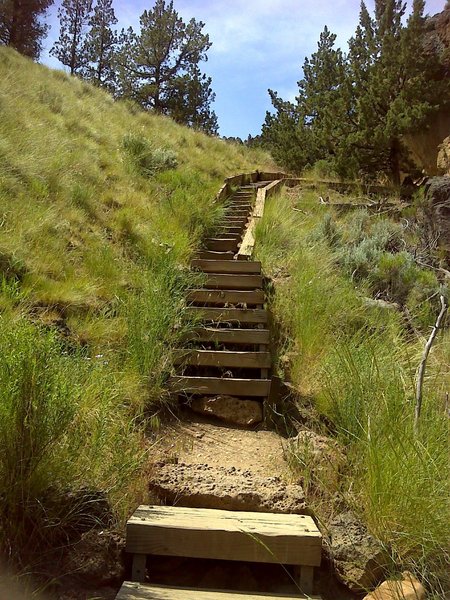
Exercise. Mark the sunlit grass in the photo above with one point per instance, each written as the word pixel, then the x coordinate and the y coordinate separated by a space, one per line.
pixel 358 365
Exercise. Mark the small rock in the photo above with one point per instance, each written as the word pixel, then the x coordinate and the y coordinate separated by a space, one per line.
pixel 407 588
pixel 229 409
pixel 203 486
pixel 359 558
pixel 320 456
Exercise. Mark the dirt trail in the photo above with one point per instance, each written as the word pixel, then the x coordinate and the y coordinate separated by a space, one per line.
pixel 194 440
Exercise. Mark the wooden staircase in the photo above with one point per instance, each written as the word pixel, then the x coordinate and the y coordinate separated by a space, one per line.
pixel 228 353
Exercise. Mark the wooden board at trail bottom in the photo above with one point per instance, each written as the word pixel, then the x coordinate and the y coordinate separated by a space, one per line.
pixel 144 591
pixel 285 539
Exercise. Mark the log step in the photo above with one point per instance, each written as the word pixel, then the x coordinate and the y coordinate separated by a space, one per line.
pixel 229 315
pixel 233 282
pixel 132 590
pixel 219 385
pixel 226 296
pixel 226 266
pixel 230 336
pixel 217 358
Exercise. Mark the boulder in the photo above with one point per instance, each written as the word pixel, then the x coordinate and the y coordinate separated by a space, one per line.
pixel 319 456
pixel 437 211
pixel 231 410
pixel 358 558
pixel 204 486
pixel 443 159
pixel 406 588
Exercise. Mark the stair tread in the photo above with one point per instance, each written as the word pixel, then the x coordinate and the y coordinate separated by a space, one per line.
pixel 226 266
pixel 234 281
pixel 222 534
pixel 223 358
pixel 131 590
pixel 227 296
pixel 242 315
pixel 231 386
pixel 230 335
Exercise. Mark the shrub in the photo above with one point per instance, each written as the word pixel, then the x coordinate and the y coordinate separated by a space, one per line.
pixel 146 159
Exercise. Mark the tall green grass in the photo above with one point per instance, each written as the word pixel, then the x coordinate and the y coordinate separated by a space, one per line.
pixel 68 442
pixel 358 364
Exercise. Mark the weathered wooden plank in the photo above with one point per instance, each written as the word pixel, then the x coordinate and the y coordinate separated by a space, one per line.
pixel 233 282
pixel 218 358
pixel 227 535
pixel 229 315
pixel 227 296
pixel 230 336
pixel 131 590
pixel 221 244
pixel 226 266
pixel 228 229
pixel 216 385
pixel 211 255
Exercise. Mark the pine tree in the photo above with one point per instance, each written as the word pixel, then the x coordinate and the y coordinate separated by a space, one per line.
pixel 21 27
pixel 100 46
pixel 159 68
pixel 69 49
pixel 394 85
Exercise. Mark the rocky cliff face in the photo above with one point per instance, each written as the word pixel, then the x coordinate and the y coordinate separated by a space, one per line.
pixel 425 146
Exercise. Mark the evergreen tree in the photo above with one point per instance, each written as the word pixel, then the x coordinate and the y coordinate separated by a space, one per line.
pixel 21 27
pixel 394 82
pixel 159 68
pixel 100 46
pixel 69 49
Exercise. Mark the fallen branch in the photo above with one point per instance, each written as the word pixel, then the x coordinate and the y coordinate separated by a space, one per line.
pixel 423 362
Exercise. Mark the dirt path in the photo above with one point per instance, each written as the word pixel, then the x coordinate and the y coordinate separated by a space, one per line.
pixel 193 440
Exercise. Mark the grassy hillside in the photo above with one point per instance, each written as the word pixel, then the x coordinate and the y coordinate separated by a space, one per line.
pixel 356 361
pixel 101 207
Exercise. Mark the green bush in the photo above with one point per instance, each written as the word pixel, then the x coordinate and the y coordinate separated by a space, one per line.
pixel 145 158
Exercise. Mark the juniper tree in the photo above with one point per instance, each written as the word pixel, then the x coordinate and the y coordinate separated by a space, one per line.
pixel 21 26
pixel 394 82
pixel 69 49
pixel 159 67
pixel 100 46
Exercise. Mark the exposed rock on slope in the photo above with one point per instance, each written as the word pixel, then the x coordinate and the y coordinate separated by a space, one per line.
pixel 228 488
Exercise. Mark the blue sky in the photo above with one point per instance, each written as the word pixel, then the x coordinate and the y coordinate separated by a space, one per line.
pixel 257 44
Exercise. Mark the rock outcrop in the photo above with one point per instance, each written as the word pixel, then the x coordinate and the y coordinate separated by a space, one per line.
pixel 359 559
pixel 436 212
pixel 203 486
pixel 234 411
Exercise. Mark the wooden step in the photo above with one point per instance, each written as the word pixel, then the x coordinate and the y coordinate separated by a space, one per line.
pixel 210 255
pixel 284 539
pixel 230 336
pixel 226 296
pixel 228 315
pixel 226 266
pixel 221 244
pixel 227 229
pixel 220 385
pixel 132 590
pixel 218 358
pixel 238 212
pixel 233 282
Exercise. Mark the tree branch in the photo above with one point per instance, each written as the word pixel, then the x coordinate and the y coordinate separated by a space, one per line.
pixel 423 362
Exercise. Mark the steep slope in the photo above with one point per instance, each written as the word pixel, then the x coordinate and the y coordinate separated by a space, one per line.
pixel 101 207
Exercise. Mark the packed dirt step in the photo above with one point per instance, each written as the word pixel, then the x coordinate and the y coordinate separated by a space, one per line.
pixel 228 353
pixel 286 539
